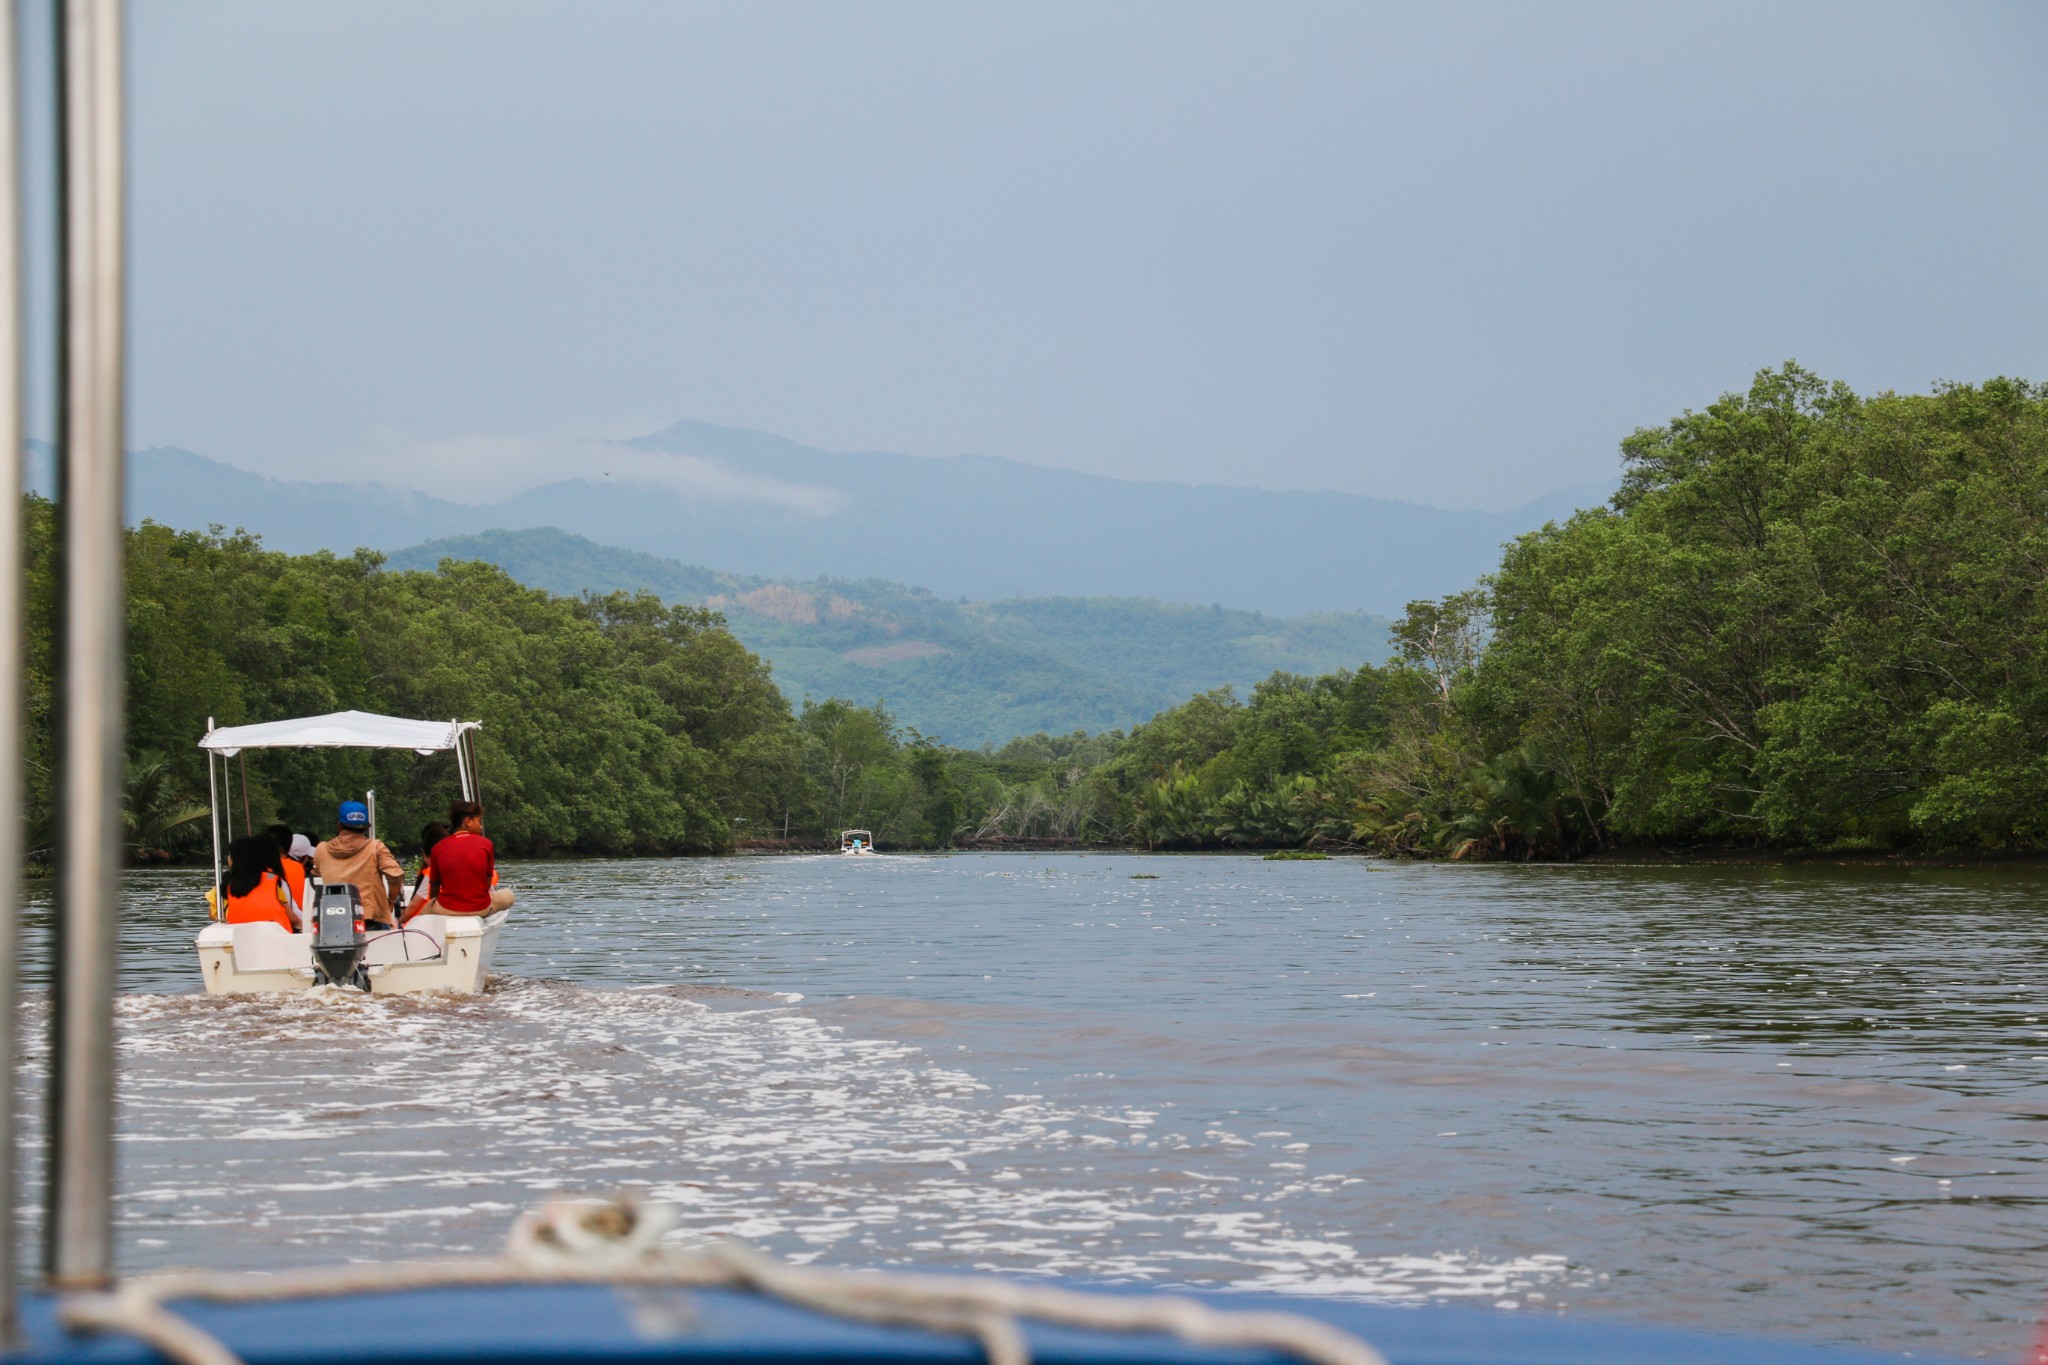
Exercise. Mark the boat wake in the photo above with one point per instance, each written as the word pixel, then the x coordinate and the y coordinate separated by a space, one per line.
pixel 276 1130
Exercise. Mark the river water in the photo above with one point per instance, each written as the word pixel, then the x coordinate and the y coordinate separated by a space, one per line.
pixel 1797 1101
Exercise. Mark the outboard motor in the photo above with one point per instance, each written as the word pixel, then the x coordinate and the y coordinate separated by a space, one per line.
pixel 338 937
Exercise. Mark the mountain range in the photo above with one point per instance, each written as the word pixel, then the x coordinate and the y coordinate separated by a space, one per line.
pixel 984 528
pixel 1049 599
pixel 969 673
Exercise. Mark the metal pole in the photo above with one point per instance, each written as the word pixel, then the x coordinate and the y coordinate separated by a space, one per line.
pixel 248 825
pixel 462 769
pixel 213 812
pixel 12 835
pixel 227 795
pixel 92 663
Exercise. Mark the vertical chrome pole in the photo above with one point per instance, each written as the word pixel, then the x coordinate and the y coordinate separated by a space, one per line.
pixel 12 645
pixel 213 812
pixel 93 665
pixel 227 795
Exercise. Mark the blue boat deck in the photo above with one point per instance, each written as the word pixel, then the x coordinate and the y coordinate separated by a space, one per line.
pixel 608 1325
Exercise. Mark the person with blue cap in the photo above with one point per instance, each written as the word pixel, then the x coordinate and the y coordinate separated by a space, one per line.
pixel 353 857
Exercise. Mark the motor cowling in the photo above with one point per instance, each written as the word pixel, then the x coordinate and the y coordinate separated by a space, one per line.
pixel 339 937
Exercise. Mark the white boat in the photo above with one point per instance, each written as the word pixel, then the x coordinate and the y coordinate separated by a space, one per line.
pixel 431 953
pixel 856 843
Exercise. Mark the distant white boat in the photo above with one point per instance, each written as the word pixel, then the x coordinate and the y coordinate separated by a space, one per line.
pixel 431 953
pixel 856 843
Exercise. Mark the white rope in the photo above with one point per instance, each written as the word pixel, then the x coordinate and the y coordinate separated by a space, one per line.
pixel 615 1243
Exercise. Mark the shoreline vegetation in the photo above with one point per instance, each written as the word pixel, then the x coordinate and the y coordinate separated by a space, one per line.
pixel 2020 860
pixel 1811 626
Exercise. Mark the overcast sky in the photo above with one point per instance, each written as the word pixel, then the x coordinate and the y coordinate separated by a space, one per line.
pixel 1448 253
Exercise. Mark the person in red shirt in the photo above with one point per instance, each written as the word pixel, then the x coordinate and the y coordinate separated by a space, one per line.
pixel 464 867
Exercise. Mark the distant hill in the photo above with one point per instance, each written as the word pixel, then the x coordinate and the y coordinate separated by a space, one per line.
pixel 969 673
pixel 989 529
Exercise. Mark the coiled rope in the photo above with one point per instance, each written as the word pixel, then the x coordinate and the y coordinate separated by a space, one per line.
pixel 614 1242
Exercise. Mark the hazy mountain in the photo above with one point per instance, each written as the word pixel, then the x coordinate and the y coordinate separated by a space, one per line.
pixel 964 525
pixel 997 528
pixel 967 672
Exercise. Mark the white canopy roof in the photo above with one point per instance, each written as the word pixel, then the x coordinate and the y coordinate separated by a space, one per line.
pixel 342 730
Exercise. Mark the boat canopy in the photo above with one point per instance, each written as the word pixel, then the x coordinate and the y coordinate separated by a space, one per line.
pixel 340 730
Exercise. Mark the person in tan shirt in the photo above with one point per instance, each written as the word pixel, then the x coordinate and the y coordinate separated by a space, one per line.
pixel 352 856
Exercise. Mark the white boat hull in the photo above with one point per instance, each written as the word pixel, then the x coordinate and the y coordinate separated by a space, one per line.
pixel 449 953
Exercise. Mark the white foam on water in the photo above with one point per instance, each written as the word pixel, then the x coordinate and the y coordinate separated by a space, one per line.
pixel 265 1131
pixel 1330 1270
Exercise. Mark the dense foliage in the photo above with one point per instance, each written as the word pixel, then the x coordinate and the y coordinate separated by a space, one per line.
pixel 1809 619
pixel 610 723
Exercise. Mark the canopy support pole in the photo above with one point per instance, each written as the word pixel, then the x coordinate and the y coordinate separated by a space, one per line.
pixel 213 812
pixel 13 837
pixel 227 796
pixel 92 661
pixel 462 769
pixel 248 825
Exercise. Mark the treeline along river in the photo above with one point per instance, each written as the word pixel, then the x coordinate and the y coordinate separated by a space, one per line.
pixel 1808 620
pixel 1800 1101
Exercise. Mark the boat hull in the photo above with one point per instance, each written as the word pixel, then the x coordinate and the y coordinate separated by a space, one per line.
pixel 602 1325
pixel 449 953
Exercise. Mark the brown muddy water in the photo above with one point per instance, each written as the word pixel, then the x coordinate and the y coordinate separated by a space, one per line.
pixel 1806 1102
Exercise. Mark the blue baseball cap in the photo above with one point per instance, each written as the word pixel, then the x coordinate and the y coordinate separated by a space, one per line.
pixel 355 815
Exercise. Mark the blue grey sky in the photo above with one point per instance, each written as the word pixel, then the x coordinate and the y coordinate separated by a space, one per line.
pixel 1443 252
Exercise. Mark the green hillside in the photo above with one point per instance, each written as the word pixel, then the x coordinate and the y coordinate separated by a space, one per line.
pixel 970 673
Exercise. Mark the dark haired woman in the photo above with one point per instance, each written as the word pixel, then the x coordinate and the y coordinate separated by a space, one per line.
pixel 256 891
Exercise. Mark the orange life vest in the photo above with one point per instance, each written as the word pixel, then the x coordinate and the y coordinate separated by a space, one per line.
pixel 295 880
pixel 264 905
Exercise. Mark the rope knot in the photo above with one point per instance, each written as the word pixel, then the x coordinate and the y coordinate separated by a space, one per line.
pixel 584 1231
